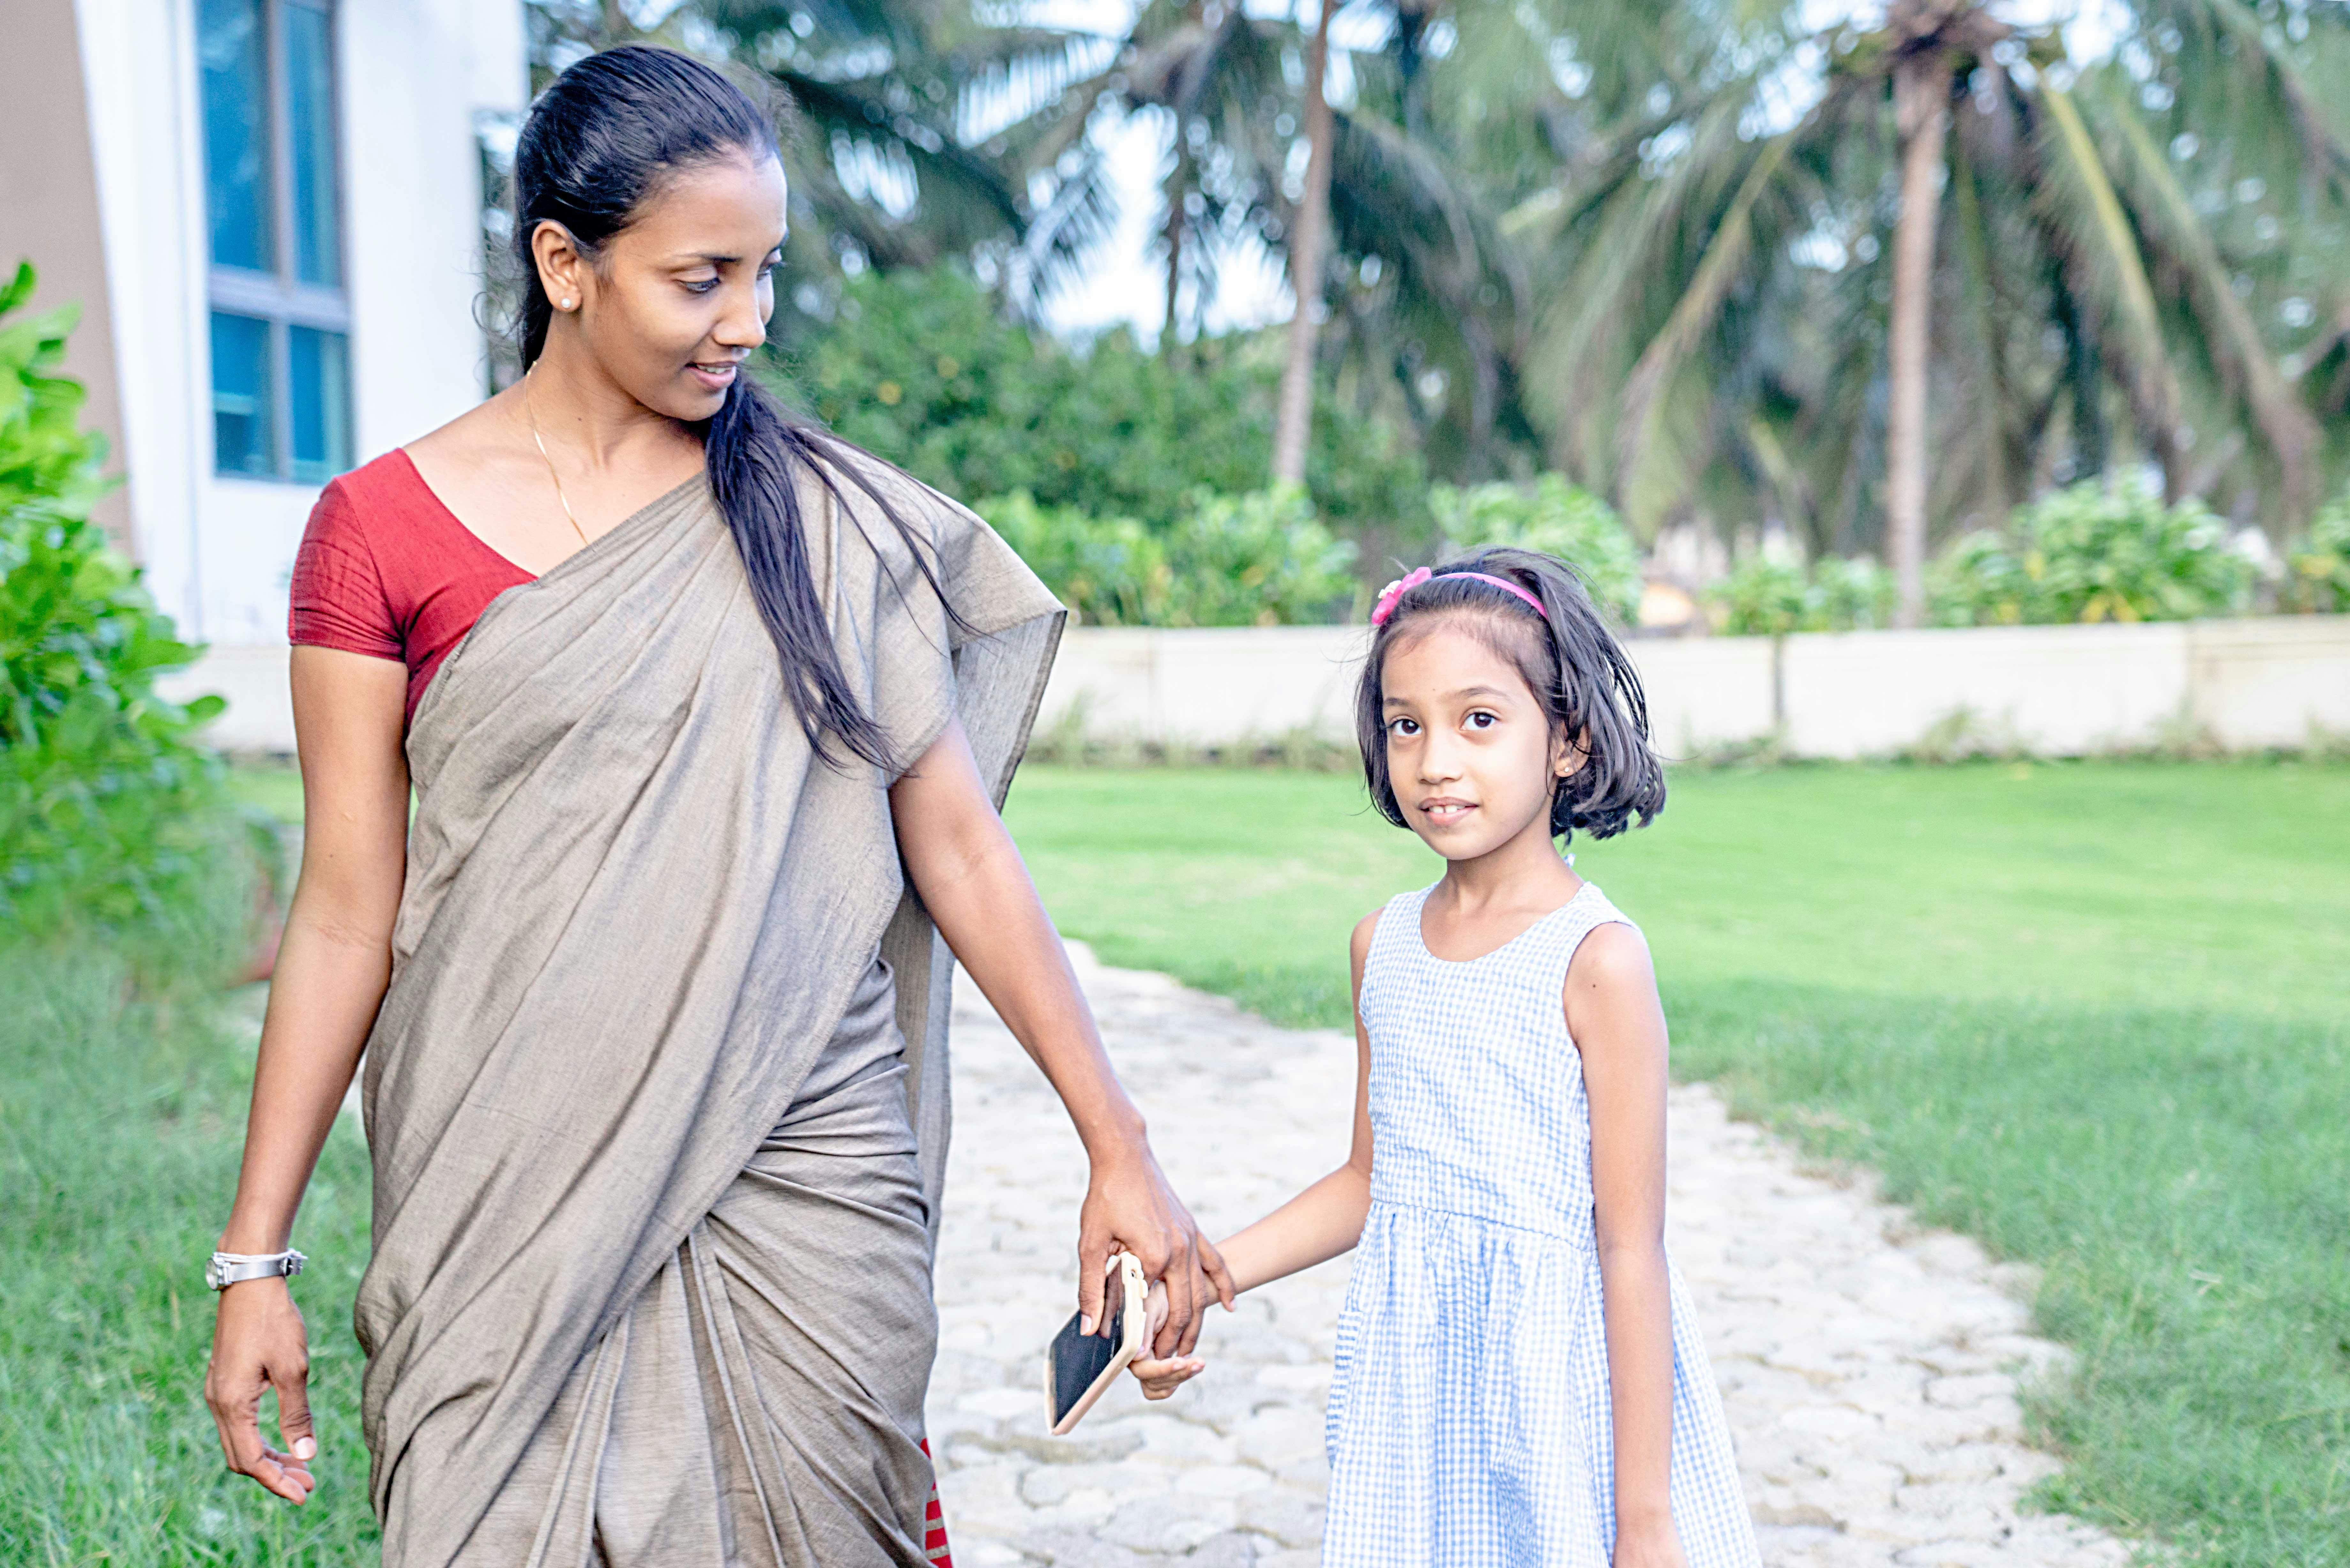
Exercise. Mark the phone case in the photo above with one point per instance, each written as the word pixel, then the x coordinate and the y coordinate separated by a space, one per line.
pixel 1127 1271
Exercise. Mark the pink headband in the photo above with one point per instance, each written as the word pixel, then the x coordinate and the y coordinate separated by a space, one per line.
pixel 1392 595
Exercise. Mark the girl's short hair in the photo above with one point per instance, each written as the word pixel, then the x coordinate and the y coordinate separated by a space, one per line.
pixel 1573 666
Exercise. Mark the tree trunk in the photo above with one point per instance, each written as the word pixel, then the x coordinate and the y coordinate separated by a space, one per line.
pixel 1921 90
pixel 1293 415
pixel 1177 182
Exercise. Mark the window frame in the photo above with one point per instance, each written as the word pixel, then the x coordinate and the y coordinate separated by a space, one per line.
pixel 280 299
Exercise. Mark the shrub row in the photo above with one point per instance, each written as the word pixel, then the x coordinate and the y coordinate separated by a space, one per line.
pixel 2098 551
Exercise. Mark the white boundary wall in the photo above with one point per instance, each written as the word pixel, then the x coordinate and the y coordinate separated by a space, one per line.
pixel 2056 690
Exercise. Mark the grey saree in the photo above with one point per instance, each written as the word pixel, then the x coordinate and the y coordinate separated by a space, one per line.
pixel 657 1097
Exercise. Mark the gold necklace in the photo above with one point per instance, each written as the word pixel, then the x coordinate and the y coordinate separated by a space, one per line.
pixel 532 415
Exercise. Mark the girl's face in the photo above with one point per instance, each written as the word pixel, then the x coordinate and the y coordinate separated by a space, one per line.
pixel 1471 757
pixel 680 298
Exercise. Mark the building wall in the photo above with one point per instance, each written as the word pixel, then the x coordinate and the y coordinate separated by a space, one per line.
pixel 413 75
pixel 48 205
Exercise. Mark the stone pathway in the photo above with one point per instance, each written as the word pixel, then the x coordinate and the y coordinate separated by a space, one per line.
pixel 1868 1367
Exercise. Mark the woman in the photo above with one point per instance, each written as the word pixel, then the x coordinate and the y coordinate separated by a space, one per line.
pixel 654 1021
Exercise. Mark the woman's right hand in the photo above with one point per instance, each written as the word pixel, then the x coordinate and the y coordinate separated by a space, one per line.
pixel 259 1342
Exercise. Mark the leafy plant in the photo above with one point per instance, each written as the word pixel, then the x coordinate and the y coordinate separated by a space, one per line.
pixel 2096 552
pixel 110 812
pixel 1112 571
pixel 1258 559
pixel 1769 593
pixel 1765 595
pixel 2317 573
pixel 1554 516
pixel 923 369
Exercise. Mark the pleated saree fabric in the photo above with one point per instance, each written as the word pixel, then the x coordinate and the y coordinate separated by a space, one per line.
pixel 656 1098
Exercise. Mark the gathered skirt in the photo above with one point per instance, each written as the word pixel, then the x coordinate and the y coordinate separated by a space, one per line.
pixel 760 1403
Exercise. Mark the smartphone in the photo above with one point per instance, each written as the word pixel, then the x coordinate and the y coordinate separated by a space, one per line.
pixel 1079 1367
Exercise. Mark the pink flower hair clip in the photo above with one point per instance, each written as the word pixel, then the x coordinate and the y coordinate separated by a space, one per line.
pixel 1390 595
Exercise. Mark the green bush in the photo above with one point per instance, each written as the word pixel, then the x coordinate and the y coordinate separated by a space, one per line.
pixel 1112 571
pixel 1554 516
pixel 1767 595
pixel 1258 559
pixel 2317 573
pixel 109 813
pixel 2096 552
pixel 923 369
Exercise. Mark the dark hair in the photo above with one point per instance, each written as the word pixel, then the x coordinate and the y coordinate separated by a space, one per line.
pixel 601 143
pixel 1575 667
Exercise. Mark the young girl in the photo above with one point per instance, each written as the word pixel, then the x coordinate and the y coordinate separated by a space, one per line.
pixel 1520 1378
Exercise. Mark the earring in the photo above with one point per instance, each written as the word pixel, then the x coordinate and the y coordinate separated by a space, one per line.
pixel 566 302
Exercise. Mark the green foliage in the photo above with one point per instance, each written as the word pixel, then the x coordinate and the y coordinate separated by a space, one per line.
pixel 109 812
pixel 1768 594
pixel 2096 552
pixel 1556 517
pixel 2317 573
pixel 1258 559
pixel 923 367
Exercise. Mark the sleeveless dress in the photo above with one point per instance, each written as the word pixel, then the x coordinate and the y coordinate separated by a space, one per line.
pixel 1469 1421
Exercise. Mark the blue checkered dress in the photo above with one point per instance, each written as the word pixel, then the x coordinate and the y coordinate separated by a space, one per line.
pixel 1469 1423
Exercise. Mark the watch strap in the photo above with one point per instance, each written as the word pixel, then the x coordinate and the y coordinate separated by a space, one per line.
pixel 227 1269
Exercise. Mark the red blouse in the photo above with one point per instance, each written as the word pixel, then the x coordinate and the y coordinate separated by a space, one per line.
pixel 388 571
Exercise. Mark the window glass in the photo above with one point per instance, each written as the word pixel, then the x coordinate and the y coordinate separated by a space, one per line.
pixel 319 380
pixel 310 131
pixel 243 407
pixel 233 47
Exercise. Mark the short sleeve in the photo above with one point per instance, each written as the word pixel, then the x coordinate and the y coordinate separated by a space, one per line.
pixel 337 598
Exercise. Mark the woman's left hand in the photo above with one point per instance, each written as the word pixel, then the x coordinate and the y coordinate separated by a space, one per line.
pixel 1130 1208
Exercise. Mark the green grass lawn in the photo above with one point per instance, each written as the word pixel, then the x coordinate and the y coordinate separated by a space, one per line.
pixel 2090 1013
pixel 121 1115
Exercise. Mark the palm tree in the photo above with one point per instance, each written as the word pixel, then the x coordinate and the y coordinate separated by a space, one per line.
pixel 1293 414
pixel 917 131
pixel 1735 277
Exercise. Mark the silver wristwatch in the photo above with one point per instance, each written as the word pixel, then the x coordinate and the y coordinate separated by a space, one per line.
pixel 228 1268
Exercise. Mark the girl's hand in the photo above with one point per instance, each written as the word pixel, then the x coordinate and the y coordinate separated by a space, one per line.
pixel 259 1342
pixel 1161 1378
pixel 1649 1545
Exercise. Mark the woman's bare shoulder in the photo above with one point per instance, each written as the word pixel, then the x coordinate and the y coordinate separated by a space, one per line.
pixel 478 433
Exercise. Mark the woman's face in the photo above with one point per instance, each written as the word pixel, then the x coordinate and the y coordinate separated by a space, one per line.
pixel 680 298
pixel 1471 757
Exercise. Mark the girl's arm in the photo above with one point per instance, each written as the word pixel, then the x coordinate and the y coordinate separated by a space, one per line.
pixel 1614 1016
pixel 1314 1227
pixel 971 878
pixel 332 968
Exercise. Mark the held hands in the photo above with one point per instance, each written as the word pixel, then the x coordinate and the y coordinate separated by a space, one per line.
pixel 1129 1207
pixel 1161 1377
pixel 259 1342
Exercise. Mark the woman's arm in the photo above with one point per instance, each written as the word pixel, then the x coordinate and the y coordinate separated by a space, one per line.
pixel 1613 1013
pixel 333 965
pixel 1314 1227
pixel 971 878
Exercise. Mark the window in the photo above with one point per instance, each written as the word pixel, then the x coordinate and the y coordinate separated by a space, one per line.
pixel 280 320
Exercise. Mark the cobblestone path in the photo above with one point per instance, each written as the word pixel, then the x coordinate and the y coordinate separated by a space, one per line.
pixel 1868 1368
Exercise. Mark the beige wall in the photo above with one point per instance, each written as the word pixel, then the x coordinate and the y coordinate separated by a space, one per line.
pixel 48 205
